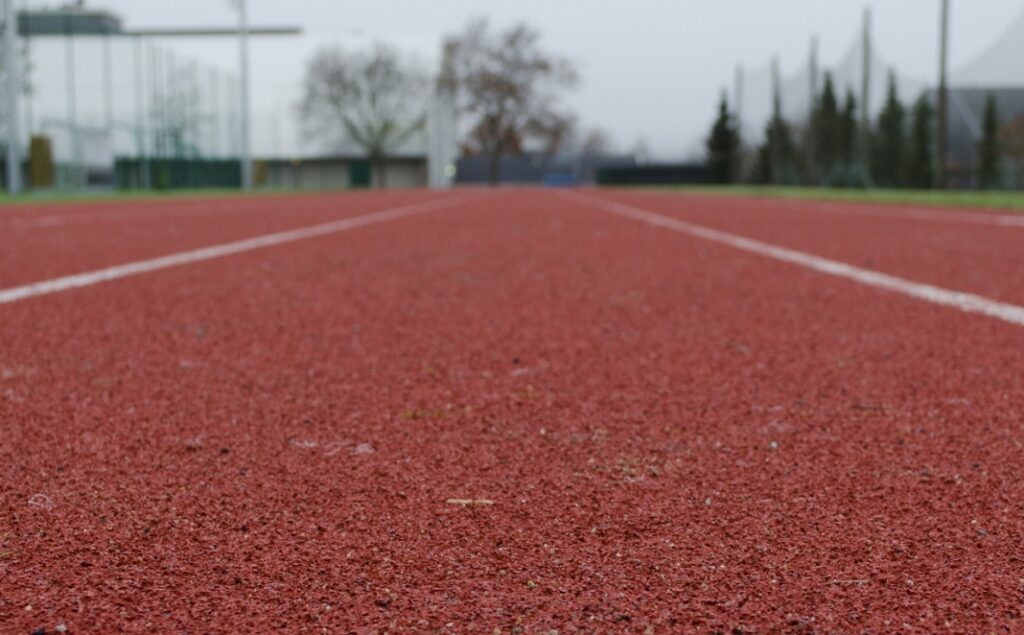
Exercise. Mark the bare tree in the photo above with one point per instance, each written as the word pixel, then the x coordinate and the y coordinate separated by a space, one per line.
pixel 375 99
pixel 595 143
pixel 641 151
pixel 177 132
pixel 509 85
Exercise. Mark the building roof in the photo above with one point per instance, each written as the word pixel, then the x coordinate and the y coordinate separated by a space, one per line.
pixel 67 21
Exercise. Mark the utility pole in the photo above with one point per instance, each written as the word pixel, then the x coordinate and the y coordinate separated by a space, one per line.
pixel 942 97
pixel 865 103
pixel 12 87
pixel 243 74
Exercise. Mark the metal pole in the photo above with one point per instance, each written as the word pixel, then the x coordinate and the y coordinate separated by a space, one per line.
pixel 140 114
pixel 172 106
pixel 27 85
pixel 243 71
pixel 13 81
pixel 155 99
pixel 812 136
pixel 776 159
pixel 194 110
pixel 943 96
pixel 108 90
pixel 214 114
pixel 865 105
pixel 737 100
pixel 69 68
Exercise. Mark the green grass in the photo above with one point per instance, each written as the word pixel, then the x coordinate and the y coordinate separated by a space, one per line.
pixel 955 198
pixel 31 198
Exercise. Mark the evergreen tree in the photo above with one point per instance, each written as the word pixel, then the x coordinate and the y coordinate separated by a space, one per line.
pixel 847 135
pixel 888 141
pixel 919 162
pixel 777 156
pixel 988 149
pixel 723 147
pixel 827 128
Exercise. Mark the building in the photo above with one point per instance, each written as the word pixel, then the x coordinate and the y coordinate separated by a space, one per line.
pixel 333 172
pixel 70 20
pixel 538 168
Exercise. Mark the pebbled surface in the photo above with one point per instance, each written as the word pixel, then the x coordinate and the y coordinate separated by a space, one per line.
pixel 521 414
pixel 978 258
pixel 37 242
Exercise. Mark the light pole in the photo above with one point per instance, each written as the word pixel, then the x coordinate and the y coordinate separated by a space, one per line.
pixel 12 85
pixel 941 114
pixel 243 74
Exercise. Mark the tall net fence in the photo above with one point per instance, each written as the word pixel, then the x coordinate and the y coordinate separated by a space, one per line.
pixel 125 110
pixel 998 67
pixel 755 88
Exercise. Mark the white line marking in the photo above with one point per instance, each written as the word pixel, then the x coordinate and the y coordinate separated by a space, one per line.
pixel 217 251
pixel 967 302
pixel 876 210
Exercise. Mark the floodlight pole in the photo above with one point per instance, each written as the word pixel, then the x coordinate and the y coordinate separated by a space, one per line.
pixel 12 84
pixel 243 74
pixel 865 101
pixel 737 100
pixel 812 142
pixel 941 109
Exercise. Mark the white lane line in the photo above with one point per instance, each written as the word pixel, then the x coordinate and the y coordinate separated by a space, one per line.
pixel 875 210
pixel 967 302
pixel 88 278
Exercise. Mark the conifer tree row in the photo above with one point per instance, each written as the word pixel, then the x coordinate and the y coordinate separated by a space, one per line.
pixel 902 144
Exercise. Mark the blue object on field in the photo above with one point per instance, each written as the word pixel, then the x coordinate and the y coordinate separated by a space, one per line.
pixel 559 180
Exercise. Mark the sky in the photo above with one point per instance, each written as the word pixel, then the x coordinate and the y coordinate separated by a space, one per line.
pixel 651 70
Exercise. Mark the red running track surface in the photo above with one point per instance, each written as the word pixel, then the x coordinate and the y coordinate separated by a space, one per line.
pixel 519 413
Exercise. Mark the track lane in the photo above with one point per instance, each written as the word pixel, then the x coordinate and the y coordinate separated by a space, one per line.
pixel 223 250
pixel 29 254
pixel 986 260
pixel 959 300
pixel 45 214
pixel 674 435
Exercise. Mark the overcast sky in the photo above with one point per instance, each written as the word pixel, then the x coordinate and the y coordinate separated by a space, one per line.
pixel 651 69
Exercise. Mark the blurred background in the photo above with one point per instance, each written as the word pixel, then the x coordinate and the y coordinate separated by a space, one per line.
pixel 324 94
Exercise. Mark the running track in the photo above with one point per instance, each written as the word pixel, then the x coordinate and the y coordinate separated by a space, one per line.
pixel 510 411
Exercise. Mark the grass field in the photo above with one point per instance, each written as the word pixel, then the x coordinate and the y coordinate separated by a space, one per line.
pixel 113 196
pixel 987 200
pixel 953 198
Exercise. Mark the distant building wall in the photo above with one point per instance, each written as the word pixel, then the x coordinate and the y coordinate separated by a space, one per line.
pixel 333 173
pixel 406 173
pixel 537 168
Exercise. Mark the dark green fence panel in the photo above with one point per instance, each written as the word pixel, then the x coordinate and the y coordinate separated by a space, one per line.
pixel 175 174
pixel 359 174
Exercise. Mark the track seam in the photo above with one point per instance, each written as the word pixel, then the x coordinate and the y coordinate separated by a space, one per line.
pixel 89 278
pixel 966 302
